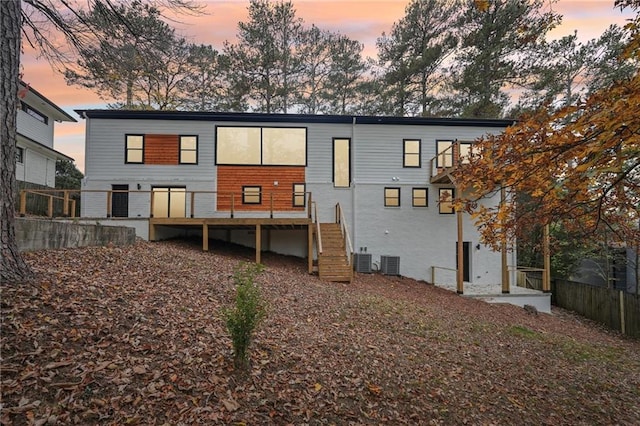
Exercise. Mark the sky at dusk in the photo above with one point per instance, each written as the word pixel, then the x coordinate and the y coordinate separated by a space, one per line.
pixel 362 20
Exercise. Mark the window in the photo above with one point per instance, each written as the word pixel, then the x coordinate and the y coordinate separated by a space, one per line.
pixel 169 201
pixel 445 153
pixel 251 195
pixel 134 147
pixel 411 153
pixel 19 155
pixel 445 200
pixel 392 197
pixel 188 150
pixel 299 196
pixel 34 113
pixel 465 152
pixel 341 162
pixel 272 146
pixel 420 198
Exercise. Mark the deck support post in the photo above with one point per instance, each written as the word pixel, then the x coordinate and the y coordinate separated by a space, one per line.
pixel 310 247
pixel 503 248
pixel 205 237
pixel 258 242
pixel 546 277
pixel 152 231
pixel 460 268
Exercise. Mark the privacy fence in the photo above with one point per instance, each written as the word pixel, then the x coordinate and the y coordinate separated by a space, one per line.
pixel 614 308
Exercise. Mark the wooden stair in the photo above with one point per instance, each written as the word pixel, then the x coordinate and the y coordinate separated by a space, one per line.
pixel 333 263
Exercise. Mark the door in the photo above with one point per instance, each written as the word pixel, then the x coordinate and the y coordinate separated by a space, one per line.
pixel 120 201
pixel 466 260
pixel 169 202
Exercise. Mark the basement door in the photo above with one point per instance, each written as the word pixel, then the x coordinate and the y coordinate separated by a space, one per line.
pixel 120 201
pixel 466 260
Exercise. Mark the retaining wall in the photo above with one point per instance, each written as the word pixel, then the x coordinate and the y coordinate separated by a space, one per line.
pixel 39 234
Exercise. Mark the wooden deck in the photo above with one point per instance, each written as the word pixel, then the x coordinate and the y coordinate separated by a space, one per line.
pixel 253 223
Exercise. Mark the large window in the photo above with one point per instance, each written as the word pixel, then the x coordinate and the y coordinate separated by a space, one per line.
pixel 169 202
pixel 392 197
pixel 341 162
pixel 445 199
pixel 134 149
pixel 411 153
pixel 269 146
pixel 420 197
pixel 251 195
pixel 188 150
pixel 299 196
pixel 445 154
pixel 34 113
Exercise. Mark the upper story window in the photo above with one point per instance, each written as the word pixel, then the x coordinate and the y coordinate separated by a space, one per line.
pixel 411 153
pixel 34 113
pixel 465 151
pixel 261 146
pixel 341 162
pixel 134 149
pixel 188 150
pixel 19 155
pixel 445 153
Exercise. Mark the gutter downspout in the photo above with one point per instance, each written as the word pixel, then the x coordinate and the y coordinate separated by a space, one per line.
pixel 352 165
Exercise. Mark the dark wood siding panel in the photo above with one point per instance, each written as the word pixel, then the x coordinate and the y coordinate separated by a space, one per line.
pixel 231 179
pixel 161 149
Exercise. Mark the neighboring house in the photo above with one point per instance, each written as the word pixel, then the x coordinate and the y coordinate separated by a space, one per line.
pixel 35 156
pixel 210 173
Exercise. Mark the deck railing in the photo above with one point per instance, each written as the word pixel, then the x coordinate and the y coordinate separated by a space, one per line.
pixel 442 268
pixel 316 221
pixel 193 204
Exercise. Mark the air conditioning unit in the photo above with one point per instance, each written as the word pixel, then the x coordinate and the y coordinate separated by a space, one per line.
pixel 390 265
pixel 362 263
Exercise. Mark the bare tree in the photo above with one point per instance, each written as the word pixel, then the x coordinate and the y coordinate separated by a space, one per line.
pixel 40 23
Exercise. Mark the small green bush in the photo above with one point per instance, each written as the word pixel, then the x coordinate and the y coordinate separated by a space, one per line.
pixel 249 309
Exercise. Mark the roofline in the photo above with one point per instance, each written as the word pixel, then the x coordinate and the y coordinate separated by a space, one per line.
pixel 288 118
pixel 44 98
pixel 59 155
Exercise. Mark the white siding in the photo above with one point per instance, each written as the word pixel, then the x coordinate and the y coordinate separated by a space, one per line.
pixel 35 129
pixel 36 168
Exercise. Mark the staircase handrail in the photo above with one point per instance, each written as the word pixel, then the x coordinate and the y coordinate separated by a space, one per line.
pixel 345 232
pixel 317 223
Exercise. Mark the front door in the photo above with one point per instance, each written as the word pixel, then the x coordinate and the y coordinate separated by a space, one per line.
pixel 466 260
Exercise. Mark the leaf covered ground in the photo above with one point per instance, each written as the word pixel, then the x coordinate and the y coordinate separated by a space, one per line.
pixel 134 335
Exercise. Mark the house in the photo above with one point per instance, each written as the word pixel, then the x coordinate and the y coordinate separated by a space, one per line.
pixel 35 156
pixel 277 181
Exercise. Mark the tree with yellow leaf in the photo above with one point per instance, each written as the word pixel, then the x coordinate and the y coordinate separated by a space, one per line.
pixel 578 166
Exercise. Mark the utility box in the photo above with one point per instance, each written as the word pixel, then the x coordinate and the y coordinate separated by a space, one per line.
pixel 362 263
pixel 390 265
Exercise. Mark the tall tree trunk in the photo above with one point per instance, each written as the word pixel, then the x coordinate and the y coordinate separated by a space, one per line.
pixel 12 267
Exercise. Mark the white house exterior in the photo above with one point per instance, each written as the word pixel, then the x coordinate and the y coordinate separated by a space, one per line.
pixel 35 155
pixel 377 168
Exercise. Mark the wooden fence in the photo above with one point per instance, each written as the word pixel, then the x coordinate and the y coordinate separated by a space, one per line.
pixel 614 308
